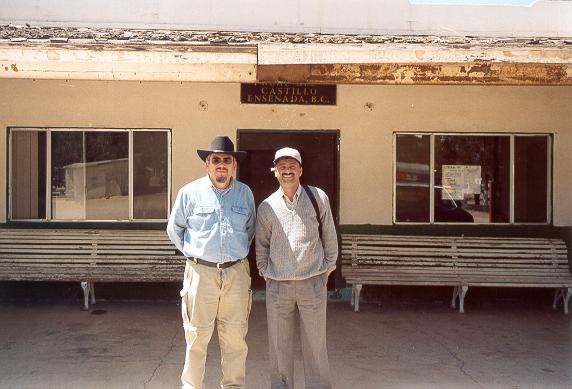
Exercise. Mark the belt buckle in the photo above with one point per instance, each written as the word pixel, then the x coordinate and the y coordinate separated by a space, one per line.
pixel 219 265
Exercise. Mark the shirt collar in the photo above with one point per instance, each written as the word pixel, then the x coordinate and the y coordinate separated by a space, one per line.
pixel 296 195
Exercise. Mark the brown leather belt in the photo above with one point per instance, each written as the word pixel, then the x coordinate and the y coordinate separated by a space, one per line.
pixel 220 265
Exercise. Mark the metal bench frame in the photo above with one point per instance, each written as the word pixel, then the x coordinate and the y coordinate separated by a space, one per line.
pixel 459 262
pixel 88 256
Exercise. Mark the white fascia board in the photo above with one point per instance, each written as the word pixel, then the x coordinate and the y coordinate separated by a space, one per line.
pixel 283 54
pixel 127 64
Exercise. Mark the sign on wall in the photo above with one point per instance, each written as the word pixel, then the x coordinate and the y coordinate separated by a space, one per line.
pixel 302 94
pixel 459 180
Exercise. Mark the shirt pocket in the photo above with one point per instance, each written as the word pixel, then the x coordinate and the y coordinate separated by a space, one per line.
pixel 203 218
pixel 239 217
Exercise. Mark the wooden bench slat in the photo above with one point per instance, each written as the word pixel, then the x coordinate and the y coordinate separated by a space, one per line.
pixel 455 261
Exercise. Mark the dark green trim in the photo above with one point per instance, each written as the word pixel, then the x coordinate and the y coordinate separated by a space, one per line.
pixel 8 178
pixel 86 225
pixel 545 231
pixel 280 131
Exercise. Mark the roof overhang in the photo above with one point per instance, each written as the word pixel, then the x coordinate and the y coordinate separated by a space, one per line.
pixel 264 57
pixel 414 64
pixel 141 63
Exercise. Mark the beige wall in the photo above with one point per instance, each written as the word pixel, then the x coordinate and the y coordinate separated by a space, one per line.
pixel 365 115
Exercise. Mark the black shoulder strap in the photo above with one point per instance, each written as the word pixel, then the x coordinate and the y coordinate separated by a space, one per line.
pixel 316 208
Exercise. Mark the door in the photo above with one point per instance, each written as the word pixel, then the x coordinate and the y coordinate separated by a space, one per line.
pixel 319 151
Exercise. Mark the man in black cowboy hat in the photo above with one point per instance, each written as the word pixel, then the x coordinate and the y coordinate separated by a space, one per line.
pixel 212 223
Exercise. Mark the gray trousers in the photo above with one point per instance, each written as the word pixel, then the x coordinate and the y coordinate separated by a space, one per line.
pixel 284 301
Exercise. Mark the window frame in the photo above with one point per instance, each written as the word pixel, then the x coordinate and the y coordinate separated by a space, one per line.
pixel 549 180
pixel 48 172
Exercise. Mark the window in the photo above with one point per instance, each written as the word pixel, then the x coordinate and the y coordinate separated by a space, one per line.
pixel 472 178
pixel 95 175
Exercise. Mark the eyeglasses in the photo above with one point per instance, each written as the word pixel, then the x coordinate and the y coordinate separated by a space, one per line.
pixel 225 160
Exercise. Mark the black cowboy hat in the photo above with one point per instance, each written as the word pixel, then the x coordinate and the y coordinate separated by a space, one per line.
pixel 222 144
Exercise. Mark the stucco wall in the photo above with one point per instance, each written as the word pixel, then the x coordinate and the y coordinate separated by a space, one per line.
pixel 367 116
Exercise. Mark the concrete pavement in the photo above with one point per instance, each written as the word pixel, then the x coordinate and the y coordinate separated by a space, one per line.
pixel 140 344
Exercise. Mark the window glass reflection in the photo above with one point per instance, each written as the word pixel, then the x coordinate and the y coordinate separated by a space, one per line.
pixel 412 178
pixel 150 160
pixel 28 177
pixel 107 175
pixel 530 179
pixel 472 181
pixel 68 176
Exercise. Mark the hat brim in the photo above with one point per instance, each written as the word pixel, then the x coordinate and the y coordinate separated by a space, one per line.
pixel 239 155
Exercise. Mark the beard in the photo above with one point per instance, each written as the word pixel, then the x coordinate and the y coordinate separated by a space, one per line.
pixel 221 180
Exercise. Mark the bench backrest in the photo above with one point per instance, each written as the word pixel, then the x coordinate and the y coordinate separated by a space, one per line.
pixel 102 255
pixel 475 259
pixel 40 244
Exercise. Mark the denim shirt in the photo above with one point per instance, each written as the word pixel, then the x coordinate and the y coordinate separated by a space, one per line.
pixel 212 224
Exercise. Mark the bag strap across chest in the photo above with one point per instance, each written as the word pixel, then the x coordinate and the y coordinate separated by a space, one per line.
pixel 316 208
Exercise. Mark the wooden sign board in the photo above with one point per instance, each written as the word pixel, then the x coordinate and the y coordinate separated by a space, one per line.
pixel 301 94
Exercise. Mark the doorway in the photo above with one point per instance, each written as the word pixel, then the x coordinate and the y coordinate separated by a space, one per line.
pixel 319 151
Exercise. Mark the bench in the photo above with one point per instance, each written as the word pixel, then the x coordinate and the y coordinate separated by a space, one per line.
pixel 459 262
pixel 88 256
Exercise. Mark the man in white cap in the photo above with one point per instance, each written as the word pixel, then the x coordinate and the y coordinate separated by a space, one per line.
pixel 212 224
pixel 296 250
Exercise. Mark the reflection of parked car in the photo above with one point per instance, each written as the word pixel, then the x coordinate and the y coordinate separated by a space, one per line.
pixel 412 205
pixel 449 210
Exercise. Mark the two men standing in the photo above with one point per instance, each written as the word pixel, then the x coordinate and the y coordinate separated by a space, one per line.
pixel 212 223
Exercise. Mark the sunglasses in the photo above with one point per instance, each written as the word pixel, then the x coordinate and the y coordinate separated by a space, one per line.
pixel 225 160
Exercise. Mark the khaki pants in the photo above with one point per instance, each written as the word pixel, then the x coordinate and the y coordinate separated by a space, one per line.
pixel 284 300
pixel 222 295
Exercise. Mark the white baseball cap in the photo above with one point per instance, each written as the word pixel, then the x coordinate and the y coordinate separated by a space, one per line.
pixel 288 152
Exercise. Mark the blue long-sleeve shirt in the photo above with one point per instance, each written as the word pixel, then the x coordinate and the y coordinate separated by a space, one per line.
pixel 212 224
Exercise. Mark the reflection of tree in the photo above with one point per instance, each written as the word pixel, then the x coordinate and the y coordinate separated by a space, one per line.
pixel 413 148
pixel 150 155
pixel 68 148
pixel 106 146
pixel 464 150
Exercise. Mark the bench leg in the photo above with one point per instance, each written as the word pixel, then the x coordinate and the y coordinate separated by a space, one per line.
pixel 353 295
pixel 88 291
pixel 456 294
pixel 567 300
pixel 464 290
pixel 92 292
pixel 558 293
pixel 356 297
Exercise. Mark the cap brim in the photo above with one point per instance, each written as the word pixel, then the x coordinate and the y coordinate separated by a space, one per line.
pixel 285 156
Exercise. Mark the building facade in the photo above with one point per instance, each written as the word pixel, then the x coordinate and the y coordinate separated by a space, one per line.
pixel 407 133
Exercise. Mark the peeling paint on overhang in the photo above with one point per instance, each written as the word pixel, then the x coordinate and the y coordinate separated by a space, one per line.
pixel 217 56
pixel 429 73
